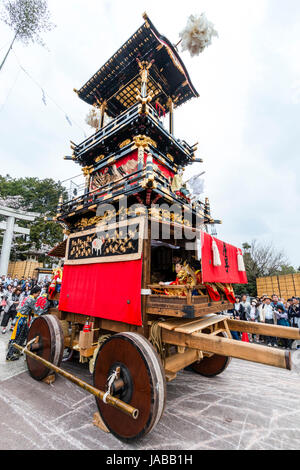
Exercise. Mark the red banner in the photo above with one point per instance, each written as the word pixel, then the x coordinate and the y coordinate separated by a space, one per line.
pixel 105 290
pixel 228 272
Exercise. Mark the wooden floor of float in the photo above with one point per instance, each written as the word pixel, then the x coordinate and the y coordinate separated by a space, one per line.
pixel 192 326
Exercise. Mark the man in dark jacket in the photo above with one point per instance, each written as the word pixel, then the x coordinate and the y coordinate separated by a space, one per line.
pixel 294 313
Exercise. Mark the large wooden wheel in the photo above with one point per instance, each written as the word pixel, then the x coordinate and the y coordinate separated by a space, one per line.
pixel 50 345
pixel 143 384
pixel 213 365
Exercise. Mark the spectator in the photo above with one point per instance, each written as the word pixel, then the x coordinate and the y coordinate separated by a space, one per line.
pixel 236 309
pixel 244 308
pixel 294 313
pixel 269 317
pixel 10 310
pixel 275 301
pixel 26 289
pixel 2 299
pixel 260 315
pixel 22 282
pixel 253 315
pixel 8 289
pixel 282 319
pixel 235 312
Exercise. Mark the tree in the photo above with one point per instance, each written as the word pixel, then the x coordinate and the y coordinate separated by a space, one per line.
pixel 34 195
pixel 27 18
pixel 261 259
pixel 286 269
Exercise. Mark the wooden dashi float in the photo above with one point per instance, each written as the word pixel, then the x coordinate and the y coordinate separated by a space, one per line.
pixel 134 225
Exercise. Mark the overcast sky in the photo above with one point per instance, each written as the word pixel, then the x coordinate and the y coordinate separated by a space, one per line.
pixel 246 119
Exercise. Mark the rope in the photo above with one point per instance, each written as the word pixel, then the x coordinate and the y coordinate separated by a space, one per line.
pixel 155 338
pixel 110 381
pixel 101 340
pixel 45 93
pixel 10 90
pixel 28 344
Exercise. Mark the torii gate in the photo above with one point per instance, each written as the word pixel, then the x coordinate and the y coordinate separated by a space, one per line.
pixel 10 227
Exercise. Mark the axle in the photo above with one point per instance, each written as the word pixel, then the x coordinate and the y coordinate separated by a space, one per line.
pixel 108 399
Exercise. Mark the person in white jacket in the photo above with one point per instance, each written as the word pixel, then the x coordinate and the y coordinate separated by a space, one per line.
pixel 268 315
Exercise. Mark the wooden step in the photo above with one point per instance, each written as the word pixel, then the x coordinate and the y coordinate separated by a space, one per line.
pixel 190 326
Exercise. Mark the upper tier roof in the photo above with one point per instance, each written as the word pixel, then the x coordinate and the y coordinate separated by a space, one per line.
pixel 116 81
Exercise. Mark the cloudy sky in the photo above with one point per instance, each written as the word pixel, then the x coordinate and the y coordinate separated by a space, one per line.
pixel 246 119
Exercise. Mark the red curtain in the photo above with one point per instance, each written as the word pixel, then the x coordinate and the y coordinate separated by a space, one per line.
pixel 228 272
pixel 106 290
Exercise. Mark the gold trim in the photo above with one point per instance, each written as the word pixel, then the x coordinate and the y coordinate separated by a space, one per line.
pixel 124 143
pixel 109 259
pixel 100 157
pixel 144 141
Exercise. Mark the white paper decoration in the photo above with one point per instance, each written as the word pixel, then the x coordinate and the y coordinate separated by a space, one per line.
pixel 197 34
pixel 240 261
pixel 216 254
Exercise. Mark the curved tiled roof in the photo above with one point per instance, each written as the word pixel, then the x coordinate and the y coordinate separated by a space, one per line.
pixel 116 81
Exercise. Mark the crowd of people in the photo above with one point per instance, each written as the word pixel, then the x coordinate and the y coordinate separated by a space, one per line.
pixel 270 310
pixel 13 293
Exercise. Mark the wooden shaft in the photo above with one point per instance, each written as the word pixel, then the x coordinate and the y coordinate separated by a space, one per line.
pixel 171 116
pixel 110 400
pixel 176 362
pixel 102 108
pixel 265 329
pixel 230 348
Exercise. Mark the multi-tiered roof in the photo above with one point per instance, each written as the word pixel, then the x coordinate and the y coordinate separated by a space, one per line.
pixel 134 155
pixel 116 81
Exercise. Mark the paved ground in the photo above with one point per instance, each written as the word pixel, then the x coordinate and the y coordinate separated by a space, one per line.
pixel 249 406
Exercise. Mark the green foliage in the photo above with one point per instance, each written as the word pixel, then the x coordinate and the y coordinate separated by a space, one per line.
pixel 27 18
pixel 39 196
pixel 286 269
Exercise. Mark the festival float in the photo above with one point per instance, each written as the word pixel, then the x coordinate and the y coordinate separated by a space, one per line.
pixel 135 220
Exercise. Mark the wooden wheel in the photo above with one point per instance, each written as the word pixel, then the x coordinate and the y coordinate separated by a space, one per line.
pixel 213 365
pixel 50 345
pixel 143 384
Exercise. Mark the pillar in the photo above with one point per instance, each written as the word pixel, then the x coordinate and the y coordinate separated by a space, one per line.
pixel 6 246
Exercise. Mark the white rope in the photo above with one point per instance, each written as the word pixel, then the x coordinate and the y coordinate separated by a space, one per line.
pixel 28 344
pixel 110 381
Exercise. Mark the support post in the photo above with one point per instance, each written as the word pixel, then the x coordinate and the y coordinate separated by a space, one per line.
pixel 171 116
pixel 102 111
pixel 6 246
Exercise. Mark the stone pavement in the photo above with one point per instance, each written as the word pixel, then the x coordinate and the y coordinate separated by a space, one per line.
pixel 249 406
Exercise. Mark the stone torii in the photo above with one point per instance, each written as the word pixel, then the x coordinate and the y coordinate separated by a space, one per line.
pixel 10 227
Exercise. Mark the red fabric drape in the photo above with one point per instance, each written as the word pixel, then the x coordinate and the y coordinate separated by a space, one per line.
pixel 105 290
pixel 228 272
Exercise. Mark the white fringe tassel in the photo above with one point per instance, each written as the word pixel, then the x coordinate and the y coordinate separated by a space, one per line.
pixel 216 255
pixel 197 34
pixel 240 261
